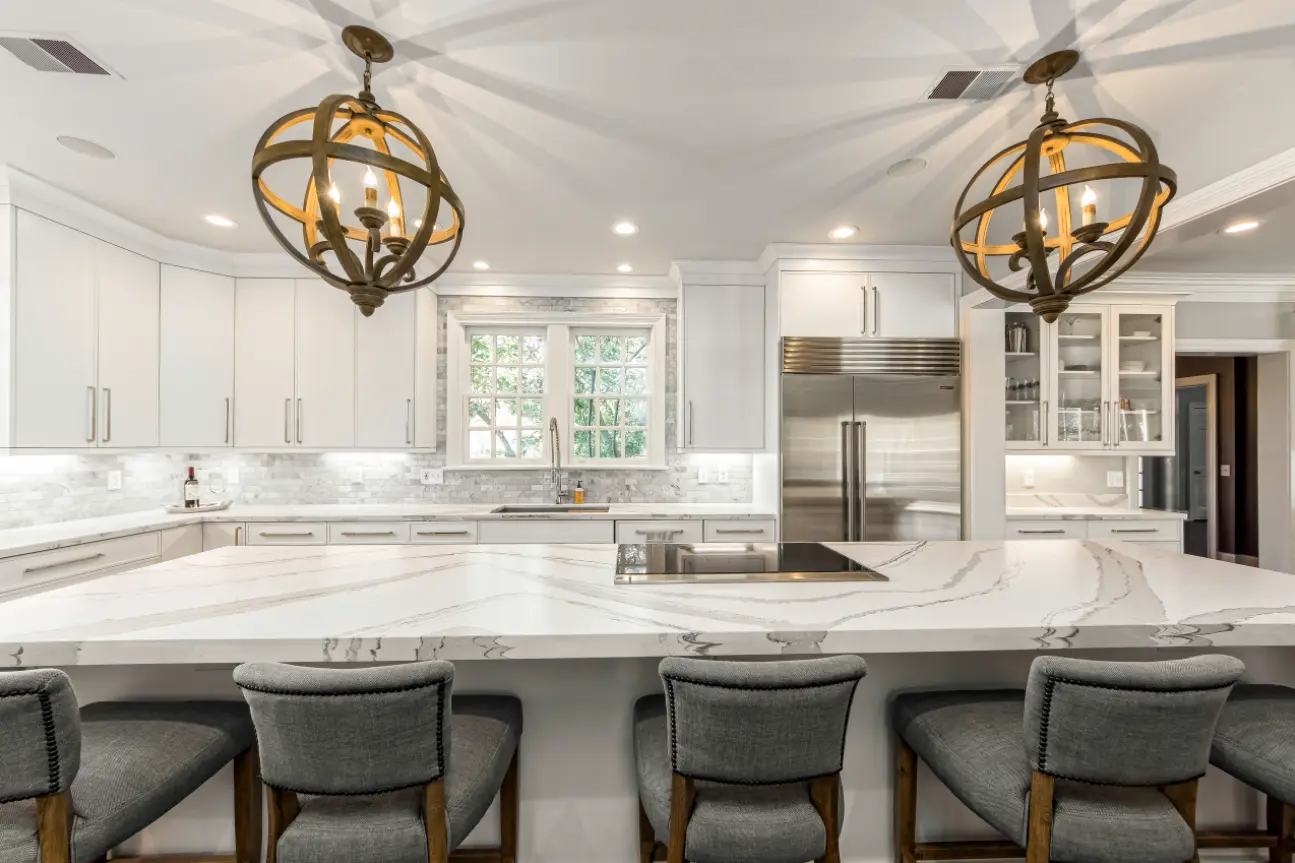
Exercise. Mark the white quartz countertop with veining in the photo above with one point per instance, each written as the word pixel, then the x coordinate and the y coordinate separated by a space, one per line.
pixel 26 540
pixel 1088 513
pixel 397 603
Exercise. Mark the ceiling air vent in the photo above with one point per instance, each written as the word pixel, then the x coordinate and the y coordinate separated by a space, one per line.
pixel 972 84
pixel 49 54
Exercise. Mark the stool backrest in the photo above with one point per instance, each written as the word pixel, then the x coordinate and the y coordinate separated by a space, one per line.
pixel 40 734
pixel 758 723
pixel 349 731
pixel 1125 723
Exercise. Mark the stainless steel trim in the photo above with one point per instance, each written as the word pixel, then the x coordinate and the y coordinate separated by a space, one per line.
pixel 107 411
pixel 238 534
pixel 1135 530
pixel 847 477
pixel 69 562
pixel 736 532
pixel 861 356
pixel 863 310
pixel 289 533
pixel 226 419
pixel 368 533
pixel 743 577
pixel 861 481
pixel 287 420
pixel 876 308
pixel 409 421
pixel 1057 530
pixel 670 532
pixel 94 413
pixel 299 401
pixel 442 532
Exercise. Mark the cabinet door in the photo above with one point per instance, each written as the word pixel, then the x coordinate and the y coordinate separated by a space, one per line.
pixel 263 362
pixel 1142 391
pixel 914 305
pixel 324 411
pixel 384 374
pixel 197 383
pixel 54 350
pixel 1079 411
pixel 221 534
pixel 1026 396
pixel 722 351
pixel 831 305
pixel 128 303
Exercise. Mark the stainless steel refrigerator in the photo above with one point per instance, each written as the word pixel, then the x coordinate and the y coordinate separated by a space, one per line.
pixel 871 439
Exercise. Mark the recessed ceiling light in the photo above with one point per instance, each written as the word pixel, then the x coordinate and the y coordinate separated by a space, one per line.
pixel 625 229
pixel 481 265
pixel 907 167
pixel 625 268
pixel 220 221
pixel 1241 227
pixel 843 232
pixel 85 148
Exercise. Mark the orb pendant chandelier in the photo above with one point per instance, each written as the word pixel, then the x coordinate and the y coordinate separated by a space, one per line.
pixel 355 149
pixel 1035 172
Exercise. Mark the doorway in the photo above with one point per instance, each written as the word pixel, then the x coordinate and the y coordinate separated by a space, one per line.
pixel 1197 489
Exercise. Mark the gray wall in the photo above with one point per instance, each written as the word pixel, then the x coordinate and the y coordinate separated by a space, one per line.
pixel 1235 321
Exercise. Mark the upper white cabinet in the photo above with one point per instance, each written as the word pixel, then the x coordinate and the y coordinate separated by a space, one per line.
pixel 85 341
pixel 264 362
pixel 197 368
pixel 324 411
pixel 722 359
pixel 890 305
pixel 384 374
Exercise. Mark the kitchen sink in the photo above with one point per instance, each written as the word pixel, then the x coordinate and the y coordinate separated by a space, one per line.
pixel 555 508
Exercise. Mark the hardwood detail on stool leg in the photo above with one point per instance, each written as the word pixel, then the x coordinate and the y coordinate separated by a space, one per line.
pixel 247 807
pixel 825 794
pixel 508 812
pixel 54 827
pixel 1281 824
pixel 683 795
pixel 647 837
pixel 905 802
pixel 438 843
pixel 1183 796
pixel 1039 837
pixel 283 807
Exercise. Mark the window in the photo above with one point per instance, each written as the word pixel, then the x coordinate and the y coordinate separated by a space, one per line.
pixel 601 377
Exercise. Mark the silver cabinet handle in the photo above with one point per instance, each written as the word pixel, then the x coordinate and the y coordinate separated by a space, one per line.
pixel 1046 423
pixel 1115 423
pixel 287 420
pixel 876 308
pixel 1041 531
pixel 226 419
pixel 107 413
pixel 1135 530
pixel 289 533
pixel 863 310
pixel 688 419
pixel 46 566
pixel 442 532
pixel 94 413
pixel 671 532
pixel 409 421
pixel 368 533
pixel 744 532
pixel 238 534
pixel 299 401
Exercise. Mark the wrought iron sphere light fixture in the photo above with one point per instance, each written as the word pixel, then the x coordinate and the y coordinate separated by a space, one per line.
pixel 375 258
pixel 1051 280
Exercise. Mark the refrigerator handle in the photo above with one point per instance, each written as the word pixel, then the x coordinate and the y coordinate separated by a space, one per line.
pixel 861 481
pixel 847 477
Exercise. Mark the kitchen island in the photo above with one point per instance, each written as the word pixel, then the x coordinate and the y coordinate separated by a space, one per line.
pixel 950 614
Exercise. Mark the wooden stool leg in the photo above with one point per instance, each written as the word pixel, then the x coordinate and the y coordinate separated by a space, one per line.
pixel 54 828
pixel 438 843
pixel 647 837
pixel 1281 823
pixel 825 794
pixel 682 797
pixel 284 807
pixel 1183 796
pixel 247 807
pixel 905 802
pixel 1039 840
pixel 508 806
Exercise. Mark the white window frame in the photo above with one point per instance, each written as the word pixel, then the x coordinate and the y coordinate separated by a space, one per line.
pixel 559 386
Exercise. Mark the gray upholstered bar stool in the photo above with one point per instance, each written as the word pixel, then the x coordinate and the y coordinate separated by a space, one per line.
pixel 1255 742
pixel 741 761
pixel 381 763
pixel 1095 762
pixel 74 783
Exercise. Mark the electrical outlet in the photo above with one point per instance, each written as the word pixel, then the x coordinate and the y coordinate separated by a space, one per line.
pixel 721 476
pixel 231 476
pixel 1115 479
pixel 703 476
pixel 114 480
pixel 1225 470
pixel 355 475
pixel 431 476
pixel 1027 478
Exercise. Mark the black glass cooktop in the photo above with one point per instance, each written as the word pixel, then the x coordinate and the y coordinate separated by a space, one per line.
pixel 719 563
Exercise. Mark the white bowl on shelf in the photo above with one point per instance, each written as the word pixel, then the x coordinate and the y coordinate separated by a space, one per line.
pixel 1141 334
pixel 1133 366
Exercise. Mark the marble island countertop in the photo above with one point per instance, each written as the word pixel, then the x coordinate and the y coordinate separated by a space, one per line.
pixel 44 537
pixel 1089 513
pixel 397 603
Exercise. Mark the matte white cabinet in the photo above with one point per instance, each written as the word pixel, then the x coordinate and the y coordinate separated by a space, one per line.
pixel 197 351
pixel 324 410
pixel 891 305
pixel 384 374
pixel 722 360
pixel 264 362
pixel 86 341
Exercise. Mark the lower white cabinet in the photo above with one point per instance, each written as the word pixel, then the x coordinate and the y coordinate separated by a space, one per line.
pixel 443 532
pixel 222 534
pixel 179 542
pixel 1137 531
pixel 288 533
pixel 368 533
pixel 658 530
pixel 545 531
pixel 48 568
pixel 1044 529
pixel 1166 533
pixel 739 530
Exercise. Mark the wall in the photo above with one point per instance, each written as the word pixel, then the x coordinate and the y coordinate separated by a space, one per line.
pixel 42 489
pixel 1063 480
pixel 1234 321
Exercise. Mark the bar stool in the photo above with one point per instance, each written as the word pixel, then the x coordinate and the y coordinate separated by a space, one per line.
pixel 76 782
pixel 1255 742
pixel 1094 761
pixel 742 760
pixel 381 763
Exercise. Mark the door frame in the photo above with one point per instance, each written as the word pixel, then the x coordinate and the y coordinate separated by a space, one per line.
pixel 1211 384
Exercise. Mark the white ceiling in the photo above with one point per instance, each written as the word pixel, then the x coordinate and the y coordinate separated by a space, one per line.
pixel 717 125
pixel 1267 250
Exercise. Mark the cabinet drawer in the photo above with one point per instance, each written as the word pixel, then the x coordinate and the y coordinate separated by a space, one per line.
pixel 1139 531
pixel 50 567
pixel 368 533
pixel 632 532
pixel 443 532
pixel 287 533
pixel 738 530
pixel 1047 530
pixel 546 531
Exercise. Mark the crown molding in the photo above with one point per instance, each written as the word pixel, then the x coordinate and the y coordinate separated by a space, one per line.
pixel 550 285
pixel 792 256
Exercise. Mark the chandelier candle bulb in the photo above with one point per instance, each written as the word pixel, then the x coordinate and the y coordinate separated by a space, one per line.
pixel 397 223
pixel 1043 220
pixel 1089 202
pixel 335 195
pixel 370 188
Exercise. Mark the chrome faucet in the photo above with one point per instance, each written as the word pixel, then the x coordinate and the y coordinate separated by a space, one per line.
pixel 555 475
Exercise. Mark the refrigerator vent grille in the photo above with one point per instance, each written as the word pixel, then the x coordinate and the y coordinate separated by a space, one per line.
pixel 811 356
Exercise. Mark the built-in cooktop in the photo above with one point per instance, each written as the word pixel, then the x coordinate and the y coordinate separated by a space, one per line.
pixel 722 563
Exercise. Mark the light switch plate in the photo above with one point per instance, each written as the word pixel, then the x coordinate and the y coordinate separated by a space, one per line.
pixel 114 480
pixel 431 476
pixel 355 475
pixel 721 475
pixel 1115 479
pixel 1027 478
pixel 703 476
pixel 1225 470
pixel 231 476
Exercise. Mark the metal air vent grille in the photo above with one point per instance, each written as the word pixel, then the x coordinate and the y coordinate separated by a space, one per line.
pixel 975 85
pixel 45 54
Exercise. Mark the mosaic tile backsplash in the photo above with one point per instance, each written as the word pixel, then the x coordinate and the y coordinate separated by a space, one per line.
pixel 39 489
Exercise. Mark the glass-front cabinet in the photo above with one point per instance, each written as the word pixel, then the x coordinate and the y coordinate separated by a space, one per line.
pixel 1096 380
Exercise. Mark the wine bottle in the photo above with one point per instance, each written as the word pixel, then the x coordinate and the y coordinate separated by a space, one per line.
pixel 191 491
